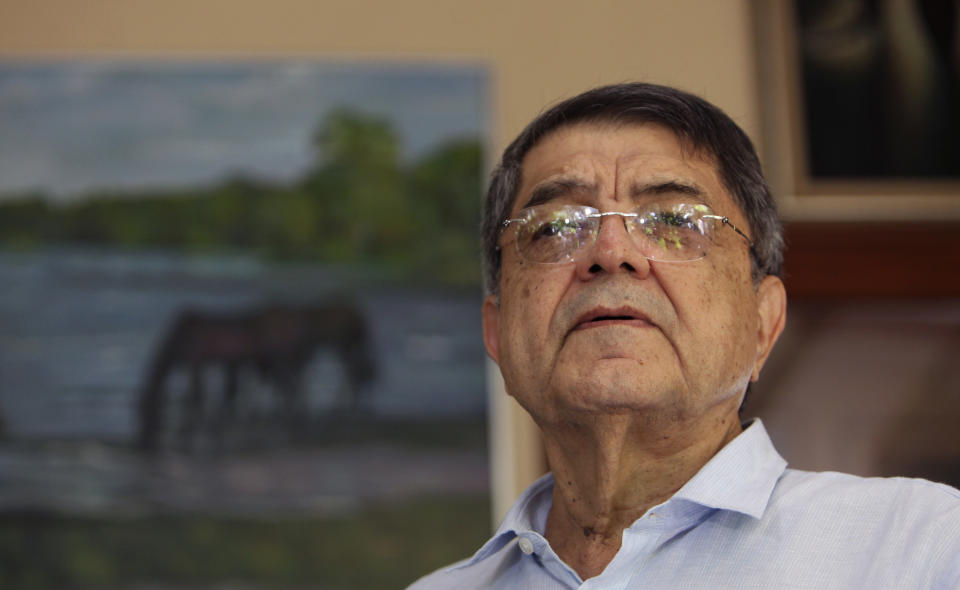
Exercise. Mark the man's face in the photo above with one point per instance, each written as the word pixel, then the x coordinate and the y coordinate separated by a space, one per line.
pixel 614 332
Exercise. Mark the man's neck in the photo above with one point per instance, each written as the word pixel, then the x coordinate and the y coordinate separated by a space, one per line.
pixel 609 471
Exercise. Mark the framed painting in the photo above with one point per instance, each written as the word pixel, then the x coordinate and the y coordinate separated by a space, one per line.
pixel 240 296
pixel 861 144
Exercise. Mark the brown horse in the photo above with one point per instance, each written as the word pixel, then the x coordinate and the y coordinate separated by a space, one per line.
pixel 277 341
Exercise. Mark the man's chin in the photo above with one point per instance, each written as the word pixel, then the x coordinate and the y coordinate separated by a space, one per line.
pixel 615 389
pixel 610 349
pixel 614 341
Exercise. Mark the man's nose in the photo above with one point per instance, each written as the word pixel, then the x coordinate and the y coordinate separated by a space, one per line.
pixel 614 251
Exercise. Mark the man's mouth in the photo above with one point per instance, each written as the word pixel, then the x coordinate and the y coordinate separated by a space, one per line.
pixel 599 317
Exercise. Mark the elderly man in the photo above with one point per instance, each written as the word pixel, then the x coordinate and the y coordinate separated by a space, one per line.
pixel 633 255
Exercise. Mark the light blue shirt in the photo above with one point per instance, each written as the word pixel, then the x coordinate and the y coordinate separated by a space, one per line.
pixel 744 521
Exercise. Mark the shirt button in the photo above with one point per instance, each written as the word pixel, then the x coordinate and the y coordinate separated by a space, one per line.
pixel 526 545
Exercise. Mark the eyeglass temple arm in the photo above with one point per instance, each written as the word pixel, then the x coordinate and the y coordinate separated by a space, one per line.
pixel 726 221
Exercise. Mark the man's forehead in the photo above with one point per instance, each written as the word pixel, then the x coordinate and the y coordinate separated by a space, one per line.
pixel 587 156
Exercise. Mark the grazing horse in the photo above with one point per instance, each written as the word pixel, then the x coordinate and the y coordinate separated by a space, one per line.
pixel 278 341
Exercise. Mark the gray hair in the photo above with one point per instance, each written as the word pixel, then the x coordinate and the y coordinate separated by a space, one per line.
pixel 696 122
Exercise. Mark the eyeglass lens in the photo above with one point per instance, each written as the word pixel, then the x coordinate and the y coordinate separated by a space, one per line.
pixel 672 231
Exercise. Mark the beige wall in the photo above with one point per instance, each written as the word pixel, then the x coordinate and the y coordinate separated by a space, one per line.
pixel 538 52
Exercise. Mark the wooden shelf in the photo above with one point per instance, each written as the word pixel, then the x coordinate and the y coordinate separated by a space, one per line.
pixel 872 260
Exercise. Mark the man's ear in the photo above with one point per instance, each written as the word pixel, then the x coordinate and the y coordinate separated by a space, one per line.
pixel 772 316
pixel 491 327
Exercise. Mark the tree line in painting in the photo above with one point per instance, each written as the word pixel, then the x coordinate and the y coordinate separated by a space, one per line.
pixel 356 204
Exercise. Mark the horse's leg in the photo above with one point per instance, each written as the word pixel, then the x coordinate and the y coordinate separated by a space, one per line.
pixel 290 389
pixel 152 403
pixel 348 394
pixel 150 410
pixel 192 410
pixel 226 413
pixel 357 364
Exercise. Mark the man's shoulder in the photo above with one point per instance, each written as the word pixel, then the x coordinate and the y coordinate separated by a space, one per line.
pixel 445 577
pixel 833 486
pixel 474 573
pixel 498 563
pixel 894 531
pixel 867 502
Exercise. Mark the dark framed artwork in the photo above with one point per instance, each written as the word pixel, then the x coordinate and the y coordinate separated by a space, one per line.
pixel 859 105
pixel 859 116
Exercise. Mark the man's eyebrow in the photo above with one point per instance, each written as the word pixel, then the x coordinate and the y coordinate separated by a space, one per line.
pixel 670 186
pixel 551 189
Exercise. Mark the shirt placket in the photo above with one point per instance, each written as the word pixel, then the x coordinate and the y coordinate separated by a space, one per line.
pixel 536 548
pixel 640 541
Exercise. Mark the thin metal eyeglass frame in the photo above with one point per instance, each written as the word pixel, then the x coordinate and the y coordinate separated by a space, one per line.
pixel 724 220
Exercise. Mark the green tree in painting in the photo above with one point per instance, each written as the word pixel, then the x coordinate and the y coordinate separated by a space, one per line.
pixel 444 186
pixel 358 182
pixel 25 220
pixel 358 202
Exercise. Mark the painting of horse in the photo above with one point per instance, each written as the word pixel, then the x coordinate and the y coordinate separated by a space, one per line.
pixel 274 342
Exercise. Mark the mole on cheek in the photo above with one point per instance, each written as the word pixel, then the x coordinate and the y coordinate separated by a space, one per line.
pixel 526 292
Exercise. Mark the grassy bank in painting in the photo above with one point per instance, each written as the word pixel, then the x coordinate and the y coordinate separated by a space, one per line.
pixel 386 546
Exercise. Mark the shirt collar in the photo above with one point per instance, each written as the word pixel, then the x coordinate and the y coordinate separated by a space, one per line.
pixel 740 477
pixel 528 514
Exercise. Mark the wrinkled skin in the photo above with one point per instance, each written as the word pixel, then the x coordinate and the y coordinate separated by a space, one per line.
pixel 706 335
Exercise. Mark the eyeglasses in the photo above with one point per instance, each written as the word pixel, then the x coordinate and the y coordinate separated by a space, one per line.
pixel 668 232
